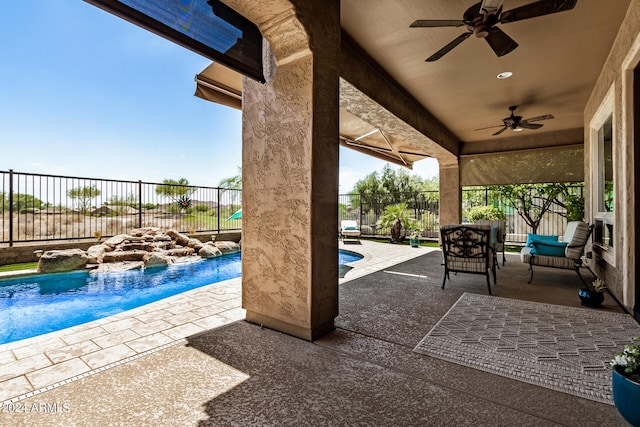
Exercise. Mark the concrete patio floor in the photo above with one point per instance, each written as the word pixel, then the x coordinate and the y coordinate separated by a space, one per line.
pixel 363 373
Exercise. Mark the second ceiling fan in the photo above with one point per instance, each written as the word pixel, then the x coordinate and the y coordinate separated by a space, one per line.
pixel 517 123
pixel 481 19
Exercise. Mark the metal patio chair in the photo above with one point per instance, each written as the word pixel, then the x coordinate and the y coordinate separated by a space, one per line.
pixel 467 249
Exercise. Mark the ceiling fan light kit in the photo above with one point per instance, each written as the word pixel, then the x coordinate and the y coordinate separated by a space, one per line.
pixel 481 20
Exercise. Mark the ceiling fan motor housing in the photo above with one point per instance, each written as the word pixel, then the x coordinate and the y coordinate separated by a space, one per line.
pixel 478 21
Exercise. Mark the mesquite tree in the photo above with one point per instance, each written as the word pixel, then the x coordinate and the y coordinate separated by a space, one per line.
pixel 531 201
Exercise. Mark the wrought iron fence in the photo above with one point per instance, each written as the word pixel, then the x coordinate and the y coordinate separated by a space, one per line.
pixel 366 209
pixel 35 207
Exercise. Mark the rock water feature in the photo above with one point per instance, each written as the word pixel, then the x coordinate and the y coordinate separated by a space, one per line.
pixel 142 247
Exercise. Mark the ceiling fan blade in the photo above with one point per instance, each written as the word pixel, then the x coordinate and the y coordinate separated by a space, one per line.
pixel 500 42
pixel 540 118
pixel 442 52
pixel 490 127
pixel 535 9
pixel 525 125
pixel 500 131
pixel 432 23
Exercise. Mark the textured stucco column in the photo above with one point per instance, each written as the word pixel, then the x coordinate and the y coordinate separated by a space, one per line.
pixel 290 169
pixel 450 193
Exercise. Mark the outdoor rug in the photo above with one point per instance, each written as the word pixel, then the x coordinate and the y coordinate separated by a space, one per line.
pixel 562 348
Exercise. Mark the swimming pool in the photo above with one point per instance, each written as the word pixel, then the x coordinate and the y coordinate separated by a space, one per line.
pixel 35 305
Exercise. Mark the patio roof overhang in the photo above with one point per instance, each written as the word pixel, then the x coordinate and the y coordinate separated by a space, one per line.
pixel 221 85
pixel 561 160
pixel 396 107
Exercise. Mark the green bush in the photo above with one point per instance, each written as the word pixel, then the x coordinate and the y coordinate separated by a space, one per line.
pixel 478 213
pixel 201 208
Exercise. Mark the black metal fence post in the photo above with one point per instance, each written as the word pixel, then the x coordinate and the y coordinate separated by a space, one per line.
pixel 218 207
pixel 139 204
pixel 360 211
pixel 10 207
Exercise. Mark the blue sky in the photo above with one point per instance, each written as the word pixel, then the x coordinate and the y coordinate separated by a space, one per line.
pixel 84 93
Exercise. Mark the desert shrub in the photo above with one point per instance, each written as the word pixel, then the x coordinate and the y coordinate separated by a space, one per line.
pixel 478 213
pixel 201 208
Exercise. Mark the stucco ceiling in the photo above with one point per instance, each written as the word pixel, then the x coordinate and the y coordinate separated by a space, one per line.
pixel 554 68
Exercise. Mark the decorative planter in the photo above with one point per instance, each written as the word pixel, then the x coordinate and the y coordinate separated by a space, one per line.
pixel 589 298
pixel 626 395
pixel 414 242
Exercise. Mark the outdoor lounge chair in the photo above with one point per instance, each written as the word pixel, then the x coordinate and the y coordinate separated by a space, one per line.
pixel 467 249
pixel 545 251
pixel 349 230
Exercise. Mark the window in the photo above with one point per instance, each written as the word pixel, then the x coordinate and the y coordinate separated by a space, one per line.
pixel 603 178
pixel 605 167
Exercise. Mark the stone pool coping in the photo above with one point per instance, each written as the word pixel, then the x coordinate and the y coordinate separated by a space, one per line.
pixel 35 365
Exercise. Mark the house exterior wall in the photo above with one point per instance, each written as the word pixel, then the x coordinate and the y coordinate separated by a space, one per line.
pixel 616 269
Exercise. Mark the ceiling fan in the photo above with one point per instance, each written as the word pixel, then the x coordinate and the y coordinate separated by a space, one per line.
pixel 481 19
pixel 516 123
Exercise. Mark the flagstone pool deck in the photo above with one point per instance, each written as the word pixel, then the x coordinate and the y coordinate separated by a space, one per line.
pixel 191 360
pixel 33 365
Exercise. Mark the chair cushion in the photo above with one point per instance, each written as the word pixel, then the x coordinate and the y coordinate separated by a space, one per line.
pixel 549 248
pixel 501 227
pixel 552 261
pixel 539 238
pixel 475 265
pixel 494 236
pixel 350 228
pixel 580 234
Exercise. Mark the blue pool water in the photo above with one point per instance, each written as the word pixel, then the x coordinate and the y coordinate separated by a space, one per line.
pixel 35 305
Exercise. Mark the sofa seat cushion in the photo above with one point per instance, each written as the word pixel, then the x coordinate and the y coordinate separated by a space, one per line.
pixel 546 261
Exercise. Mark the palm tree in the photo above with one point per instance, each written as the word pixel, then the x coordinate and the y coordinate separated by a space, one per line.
pixel 396 217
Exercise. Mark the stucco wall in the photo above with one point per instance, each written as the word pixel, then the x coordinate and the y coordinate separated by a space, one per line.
pixel 618 274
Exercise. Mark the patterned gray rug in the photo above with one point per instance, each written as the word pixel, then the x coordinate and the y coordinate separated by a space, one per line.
pixel 562 348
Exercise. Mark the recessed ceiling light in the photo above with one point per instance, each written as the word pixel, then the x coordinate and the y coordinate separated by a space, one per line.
pixel 505 75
